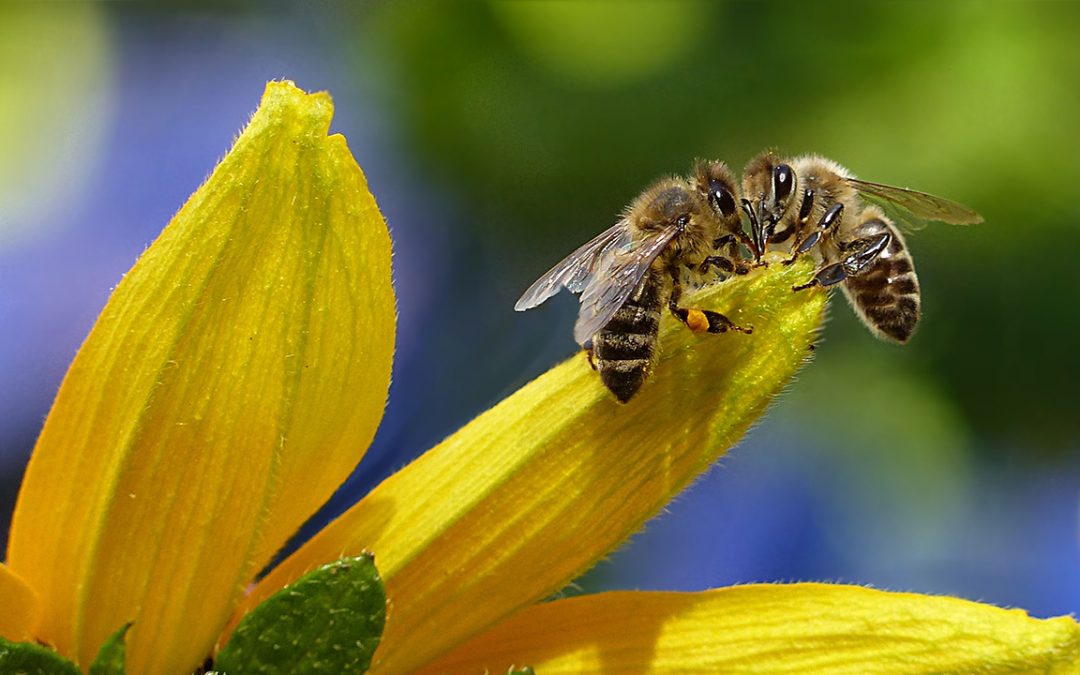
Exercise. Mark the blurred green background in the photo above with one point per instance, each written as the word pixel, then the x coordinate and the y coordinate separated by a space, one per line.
pixel 498 137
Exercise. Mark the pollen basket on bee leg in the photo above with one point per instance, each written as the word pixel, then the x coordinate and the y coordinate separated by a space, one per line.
pixel 697 321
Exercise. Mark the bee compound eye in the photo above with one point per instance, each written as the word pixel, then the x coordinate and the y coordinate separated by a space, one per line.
pixel 721 198
pixel 783 182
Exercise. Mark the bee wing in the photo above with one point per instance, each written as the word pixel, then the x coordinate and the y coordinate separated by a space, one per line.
pixel 924 207
pixel 618 275
pixel 575 270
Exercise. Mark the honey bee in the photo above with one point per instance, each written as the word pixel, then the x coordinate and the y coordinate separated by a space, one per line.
pixel 672 234
pixel 822 208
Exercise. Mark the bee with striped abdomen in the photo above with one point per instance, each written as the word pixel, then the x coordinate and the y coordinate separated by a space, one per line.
pixel 821 208
pixel 672 234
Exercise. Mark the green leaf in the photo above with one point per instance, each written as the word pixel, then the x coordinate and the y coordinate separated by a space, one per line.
pixel 522 671
pixel 110 658
pixel 329 621
pixel 25 658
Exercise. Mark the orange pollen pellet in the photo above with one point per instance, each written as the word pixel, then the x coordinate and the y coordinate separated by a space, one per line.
pixel 696 320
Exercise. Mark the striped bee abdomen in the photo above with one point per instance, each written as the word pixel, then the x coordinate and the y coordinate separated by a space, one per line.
pixel 886 294
pixel 624 349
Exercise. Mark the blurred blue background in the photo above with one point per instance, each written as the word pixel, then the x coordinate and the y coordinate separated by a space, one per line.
pixel 499 137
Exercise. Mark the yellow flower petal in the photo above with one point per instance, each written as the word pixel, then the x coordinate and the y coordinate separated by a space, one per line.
pixel 536 490
pixel 233 380
pixel 801 628
pixel 21 607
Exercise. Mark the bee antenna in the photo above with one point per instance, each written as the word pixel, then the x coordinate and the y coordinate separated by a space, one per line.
pixel 748 208
pixel 755 230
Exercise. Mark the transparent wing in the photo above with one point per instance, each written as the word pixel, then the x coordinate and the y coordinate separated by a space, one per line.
pixel 923 206
pixel 576 269
pixel 618 275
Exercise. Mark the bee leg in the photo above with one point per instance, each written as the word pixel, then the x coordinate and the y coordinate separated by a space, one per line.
pixel 718 323
pixel 588 347
pixel 706 321
pixel 694 319
pixel 733 238
pixel 720 262
pixel 783 236
pixel 803 246
pixel 726 240
pixel 830 218
pixel 701 320
pixel 723 242
pixel 826 276
pixel 863 252
pixel 805 209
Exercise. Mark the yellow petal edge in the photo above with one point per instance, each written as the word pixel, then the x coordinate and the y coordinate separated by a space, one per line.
pixel 534 491
pixel 798 628
pixel 232 382
pixel 21 607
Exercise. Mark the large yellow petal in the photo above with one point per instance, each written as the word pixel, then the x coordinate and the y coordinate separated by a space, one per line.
pixel 21 607
pixel 233 380
pixel 801 628
pixel 537 489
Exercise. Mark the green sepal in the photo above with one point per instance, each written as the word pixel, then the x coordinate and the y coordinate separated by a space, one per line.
pixel 329 621
pixel 27 658
pixel 526 670
pixel 110 658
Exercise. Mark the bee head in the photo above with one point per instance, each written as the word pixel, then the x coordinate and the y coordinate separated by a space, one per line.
pixel 768 187
pixel 716 184
pixel 667 203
